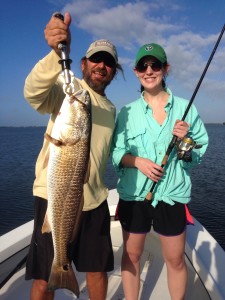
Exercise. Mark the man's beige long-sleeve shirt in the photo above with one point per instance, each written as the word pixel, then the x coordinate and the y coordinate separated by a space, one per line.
pixel 43 90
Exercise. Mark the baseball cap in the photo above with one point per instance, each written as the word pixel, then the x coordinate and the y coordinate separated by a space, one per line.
pixel 102 45
pixel 151 50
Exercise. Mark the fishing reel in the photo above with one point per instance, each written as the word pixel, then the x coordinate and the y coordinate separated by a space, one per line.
pixel 184 148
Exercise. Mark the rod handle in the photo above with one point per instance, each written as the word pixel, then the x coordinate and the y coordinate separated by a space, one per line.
pixel 65 60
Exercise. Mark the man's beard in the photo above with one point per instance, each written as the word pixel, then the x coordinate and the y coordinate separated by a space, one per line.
pixel 98 86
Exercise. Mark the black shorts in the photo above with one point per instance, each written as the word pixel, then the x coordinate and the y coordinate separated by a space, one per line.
pixel 139 216
pixel 93 247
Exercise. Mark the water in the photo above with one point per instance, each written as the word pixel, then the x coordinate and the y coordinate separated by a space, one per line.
pixel 208 192
pixel 18 153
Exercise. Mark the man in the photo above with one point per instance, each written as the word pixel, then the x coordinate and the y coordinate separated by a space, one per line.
pixel 45 94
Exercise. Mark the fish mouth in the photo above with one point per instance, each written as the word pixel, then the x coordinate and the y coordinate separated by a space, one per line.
pixel 73 99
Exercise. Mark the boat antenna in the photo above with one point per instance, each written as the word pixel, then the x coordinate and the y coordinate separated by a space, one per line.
pixel 174 139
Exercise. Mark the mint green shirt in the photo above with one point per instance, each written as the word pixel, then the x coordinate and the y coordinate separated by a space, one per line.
pixel 139 134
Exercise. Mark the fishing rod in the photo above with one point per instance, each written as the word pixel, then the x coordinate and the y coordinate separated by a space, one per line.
pixel 174 139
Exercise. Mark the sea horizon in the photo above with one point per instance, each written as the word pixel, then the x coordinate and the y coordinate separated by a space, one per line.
pixel 34 126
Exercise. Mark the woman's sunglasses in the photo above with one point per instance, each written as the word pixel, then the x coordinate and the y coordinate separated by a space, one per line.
pixel 155 66
pixel 108 60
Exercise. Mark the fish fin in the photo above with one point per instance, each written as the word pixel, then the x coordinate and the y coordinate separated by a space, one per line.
pixel 55 142
pixel 72 243
pixel 46 225
pixel 63 277
pixel 77 222
pixel 72 143
pixel 87 172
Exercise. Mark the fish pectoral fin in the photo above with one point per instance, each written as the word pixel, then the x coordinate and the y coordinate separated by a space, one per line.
pixel 46 225
pixel 87 172
pixel 72 143
pixel 52 140
pixel 63 277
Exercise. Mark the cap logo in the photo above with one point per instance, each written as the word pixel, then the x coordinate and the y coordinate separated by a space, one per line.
pixel 104 43
pixel 148 48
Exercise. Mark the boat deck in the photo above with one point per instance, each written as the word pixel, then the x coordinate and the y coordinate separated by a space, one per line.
pixel 205 262
pixel 153 276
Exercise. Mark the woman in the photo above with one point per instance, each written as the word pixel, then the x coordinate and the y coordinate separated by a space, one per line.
pixel 143 132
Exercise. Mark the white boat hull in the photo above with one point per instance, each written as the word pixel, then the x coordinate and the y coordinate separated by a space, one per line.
pixel 205 260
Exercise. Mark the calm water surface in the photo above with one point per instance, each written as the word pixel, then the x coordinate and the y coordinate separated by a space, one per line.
pixel 19 148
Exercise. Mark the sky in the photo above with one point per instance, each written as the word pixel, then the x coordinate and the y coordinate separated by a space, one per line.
pixel 187 30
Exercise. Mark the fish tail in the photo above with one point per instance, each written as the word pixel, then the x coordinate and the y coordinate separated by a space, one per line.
pixel 63 278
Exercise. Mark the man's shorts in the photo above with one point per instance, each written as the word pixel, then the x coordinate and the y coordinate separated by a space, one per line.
pixel 93 247
pixel 139 216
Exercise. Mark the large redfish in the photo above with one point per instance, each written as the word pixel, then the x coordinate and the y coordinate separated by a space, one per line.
pixel 68 170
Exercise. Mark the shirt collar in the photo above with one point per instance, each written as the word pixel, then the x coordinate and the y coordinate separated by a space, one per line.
pixel 144 103
pixel 168 106
pixel 170 100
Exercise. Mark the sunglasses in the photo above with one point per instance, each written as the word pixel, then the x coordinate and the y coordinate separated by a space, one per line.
pixel 155 66
pixel 107 59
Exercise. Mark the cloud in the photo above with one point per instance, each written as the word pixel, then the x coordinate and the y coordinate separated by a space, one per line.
pixel 189 54
pixel 130 24
pixel 80 9
pixel 135 23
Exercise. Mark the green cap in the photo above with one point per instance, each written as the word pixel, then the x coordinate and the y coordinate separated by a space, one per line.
pixel 151 50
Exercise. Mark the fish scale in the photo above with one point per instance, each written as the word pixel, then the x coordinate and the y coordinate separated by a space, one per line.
pixel 67 171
